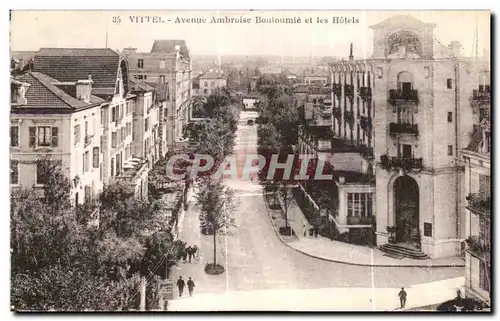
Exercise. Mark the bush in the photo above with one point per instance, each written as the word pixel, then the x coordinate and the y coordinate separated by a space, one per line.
pixel 214 269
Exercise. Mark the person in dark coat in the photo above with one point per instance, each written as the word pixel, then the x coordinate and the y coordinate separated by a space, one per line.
pixel 184 255
pixel 180 285
pixel 190 285
pixel 189 251
pixel 402 297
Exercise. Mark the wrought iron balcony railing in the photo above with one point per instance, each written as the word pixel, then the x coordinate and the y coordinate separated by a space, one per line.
pixel 337 89
pixel 479 247
pixel 481 97
pixel 403 128
pixel 359 220
pixel 349 91
pixel 365 123
pixel 88 140
pixel 365 93
pixel 349 117
pixel 397 96
pixel 405 163
pixel 479 203
pixel 337 113
pixel 365 151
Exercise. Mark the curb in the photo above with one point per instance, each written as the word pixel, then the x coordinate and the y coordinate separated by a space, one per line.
pixel 352 263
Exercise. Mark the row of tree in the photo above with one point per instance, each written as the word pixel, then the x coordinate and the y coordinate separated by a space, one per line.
pixel 89 257
pixel 278 134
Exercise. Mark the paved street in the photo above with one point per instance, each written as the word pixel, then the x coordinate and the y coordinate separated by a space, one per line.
pixel 255 260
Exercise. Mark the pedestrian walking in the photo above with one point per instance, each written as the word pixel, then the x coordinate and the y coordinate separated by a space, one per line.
pixel 180 285
pixel 195 253
pixel 184 255
pixel 402 297
pixel 190 285
pixel 189 251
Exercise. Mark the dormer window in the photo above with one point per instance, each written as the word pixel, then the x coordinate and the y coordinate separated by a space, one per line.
pixel 18 93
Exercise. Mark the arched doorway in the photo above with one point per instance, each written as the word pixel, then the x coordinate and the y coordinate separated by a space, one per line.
pixel 406 210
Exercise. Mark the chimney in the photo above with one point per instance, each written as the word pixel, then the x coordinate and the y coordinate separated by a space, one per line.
pixel 455 47
pixel 351 57
pixel 84 89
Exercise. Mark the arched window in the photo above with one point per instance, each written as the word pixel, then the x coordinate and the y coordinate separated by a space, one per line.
pixel 405 81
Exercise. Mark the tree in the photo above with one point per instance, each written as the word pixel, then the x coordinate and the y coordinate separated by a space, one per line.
pixel 216 204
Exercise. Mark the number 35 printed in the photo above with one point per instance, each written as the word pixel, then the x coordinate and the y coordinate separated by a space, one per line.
pixel 117 20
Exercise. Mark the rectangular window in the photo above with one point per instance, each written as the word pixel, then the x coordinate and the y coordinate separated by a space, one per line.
pixel 14 136
pixel 448 83
pixel 206 83
pixel 32 135
pixel 45 136
pixel 162 64
pixel 140 63
pixel 88 194
pixel 40 173
pixel 146 124
pixel 113 114
pixel 450 150
pixel 406 151
pixel 76 133
pixel 112 167
pixel 118 164
pixel 484 185
pixel 162 79
pixel 103 117
pixel 114 139
pixel 86 161
pixel 14 172
pixel 450 117
pixel 95 157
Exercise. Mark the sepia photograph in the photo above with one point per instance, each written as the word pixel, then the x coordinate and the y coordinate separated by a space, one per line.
pixel 250 160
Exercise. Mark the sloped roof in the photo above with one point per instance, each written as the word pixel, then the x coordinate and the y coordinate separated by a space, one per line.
pixel 43 93
pixel 140 86
pixel 168 46
pixel 72 64
pixel 212 75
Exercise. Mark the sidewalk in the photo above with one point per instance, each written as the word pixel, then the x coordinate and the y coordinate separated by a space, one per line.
pixel 189 232
pixel 323 299
pixel 335 251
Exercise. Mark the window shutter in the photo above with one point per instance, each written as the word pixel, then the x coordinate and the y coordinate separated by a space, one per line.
pixel 32 131
pixel 55 138
pixel 95 157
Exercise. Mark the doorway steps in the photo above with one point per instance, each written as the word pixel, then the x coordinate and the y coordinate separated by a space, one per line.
pixel 402 251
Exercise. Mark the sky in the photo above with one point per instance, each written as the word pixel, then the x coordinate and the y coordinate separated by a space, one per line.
pixel 31 30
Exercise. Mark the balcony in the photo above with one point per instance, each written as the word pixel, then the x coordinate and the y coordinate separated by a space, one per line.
pixel 479 203
pixel 405 163
pixel 478 247
pixel 349 117
pixel 349 92
pixel 481 96
pixel 341 145
pixel 337 90
pixel 337 113
pixel 365 93
pixel 365 123
pixel 403 128
pixel 399 97
pixel 366 152
pixel 88 140
pixel 359 220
